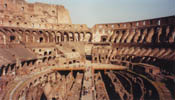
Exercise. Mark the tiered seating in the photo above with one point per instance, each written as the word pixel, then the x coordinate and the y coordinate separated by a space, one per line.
pixel 144 47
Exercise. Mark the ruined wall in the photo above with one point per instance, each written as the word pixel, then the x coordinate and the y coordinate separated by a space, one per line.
pixel 20 13
pixel 155 26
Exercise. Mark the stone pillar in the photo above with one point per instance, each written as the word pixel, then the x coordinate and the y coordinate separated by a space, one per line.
pixel 3 71
pixel 18 63
pixel 137 36
pixel 159 33
pixel 4 39
pixel 9 69
pixel 150 34
pixel 167 34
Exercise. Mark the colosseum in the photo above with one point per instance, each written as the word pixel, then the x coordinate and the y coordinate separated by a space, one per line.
pixel 43 56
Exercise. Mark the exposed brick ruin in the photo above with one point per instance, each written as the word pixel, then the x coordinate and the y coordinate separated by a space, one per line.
pixel 44 56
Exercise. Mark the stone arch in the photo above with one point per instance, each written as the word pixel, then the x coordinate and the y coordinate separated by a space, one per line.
pixel 12 66
pixel 88 37
pixel 167 35
pixel 172 38
pixel 150 35
pixel 52 37
pixel 3 68
pixel 115 36
pixel 7 69
pixel 2 37
pixel 7 34
pixel 131 36
pixel 20 35
pixel 58 37
pixel 104 38
pixel 45 35
pixel 125 35
pixel 43 96
pixel 42 37
pixel 136 37
pixel 71 36
pixel 112 37
pixel 121 39
pixel 159 33
pixel 11 36
pixel 144 34
pixel 1 71
pixel 76 36
pixel 82 35
pixel 118 34
pixel 28 36
pixel 35 35
pixel 163 34
pixel 66 37
pixel 154 37
pixel 15 34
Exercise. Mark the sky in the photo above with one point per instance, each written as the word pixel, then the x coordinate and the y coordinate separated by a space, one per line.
pixel 93 12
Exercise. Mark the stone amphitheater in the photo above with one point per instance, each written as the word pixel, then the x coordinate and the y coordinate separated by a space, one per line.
pixel 43 56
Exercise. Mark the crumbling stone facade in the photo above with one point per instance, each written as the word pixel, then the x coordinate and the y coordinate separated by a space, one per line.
pixel 19 13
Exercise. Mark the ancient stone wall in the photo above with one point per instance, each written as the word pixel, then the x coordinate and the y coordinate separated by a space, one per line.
pixel 104 31
pixel 42 53
pixel 37 15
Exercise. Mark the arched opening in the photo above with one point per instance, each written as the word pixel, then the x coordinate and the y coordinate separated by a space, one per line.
pixel 47 37
pixel 70 62
pixel 43 97
pixel 53 98
pixel 81 36
pixel 5 5
pixel 103 38
pixel 115 36
pixel 73 50
pixel 45 53
pixel 66 37
pixel 7 69
pixel 34 35
pixel 123 36
pixel 71 36
pixel 28 36
pixel 22 8
pixel 154 37
pixel 20 35
pixel 12 38
pixel 88 37
pixel 41 39
pixel 58 37
pixel 2 38
pixel 76 38
pixel 162 37
pixel 52 36
pixel 1 71
pixel 50 52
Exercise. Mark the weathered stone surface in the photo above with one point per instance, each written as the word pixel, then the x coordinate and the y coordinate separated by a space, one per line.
pixel 44 56
pixel 20 13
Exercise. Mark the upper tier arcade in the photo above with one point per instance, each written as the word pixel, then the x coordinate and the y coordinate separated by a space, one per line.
pixel 157 29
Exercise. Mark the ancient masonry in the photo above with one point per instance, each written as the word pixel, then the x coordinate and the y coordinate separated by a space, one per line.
pixel 43 56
